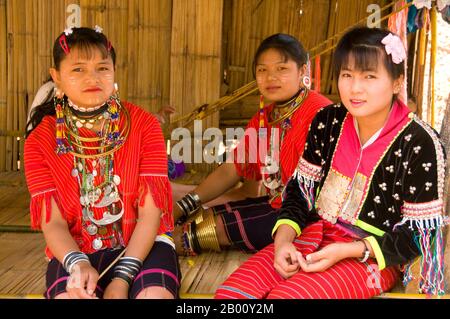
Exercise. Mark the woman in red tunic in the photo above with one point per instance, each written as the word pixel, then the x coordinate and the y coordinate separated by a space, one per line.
pixel 96 169
pixel 279 129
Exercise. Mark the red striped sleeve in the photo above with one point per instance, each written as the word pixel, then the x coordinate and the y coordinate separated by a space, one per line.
pixel 38 175
pixel 153 176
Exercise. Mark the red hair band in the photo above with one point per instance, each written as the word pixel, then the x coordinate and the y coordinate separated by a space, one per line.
pixel 63 44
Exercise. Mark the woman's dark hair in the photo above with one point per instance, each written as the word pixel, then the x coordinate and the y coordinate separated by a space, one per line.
pixel 86 40
pixel 288 46
pixel 364 45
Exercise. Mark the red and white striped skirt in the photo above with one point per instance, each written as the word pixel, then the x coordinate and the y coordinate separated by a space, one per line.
pixel 349 278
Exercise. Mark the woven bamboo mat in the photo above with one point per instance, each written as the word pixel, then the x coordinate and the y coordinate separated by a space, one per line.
pixel 14 199
pixel 23 265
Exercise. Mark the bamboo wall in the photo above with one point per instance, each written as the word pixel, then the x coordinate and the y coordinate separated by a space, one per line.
pixel 196 54
pixel 169 51
pixel 254 20
pixel 140 30
pixel 312 22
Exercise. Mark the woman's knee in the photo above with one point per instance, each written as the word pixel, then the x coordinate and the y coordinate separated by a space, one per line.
pixel 155 293
pixel 222 236
pixel 63 295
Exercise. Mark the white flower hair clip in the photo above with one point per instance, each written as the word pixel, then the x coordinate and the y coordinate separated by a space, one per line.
pixel 441 4
pixel 419 4
pixel 98 29
pixel 68 31
pixel 394 46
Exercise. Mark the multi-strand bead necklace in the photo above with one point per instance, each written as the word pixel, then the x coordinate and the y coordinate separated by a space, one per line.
pixel 93 163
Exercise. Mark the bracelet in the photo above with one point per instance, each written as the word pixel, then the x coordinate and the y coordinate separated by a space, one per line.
pixel 189 204
pixel 127 268
pixel 195 198
pixel 366 253
pixel 72 258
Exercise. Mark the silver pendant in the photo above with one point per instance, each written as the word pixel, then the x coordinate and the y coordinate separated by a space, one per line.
pixel 94 173
pixel 83 201
pixel 116 179
pixel 107 218
pixel 79 124
pixel 108 190
pixel 271 166
pixel 85 214
pixel 107 200
pixel 74 172
pixel 111 195
pixel 88 125
pixel 93 197
pixel 97 243
pixel 89 178
pixel 271 183
pixel 92 229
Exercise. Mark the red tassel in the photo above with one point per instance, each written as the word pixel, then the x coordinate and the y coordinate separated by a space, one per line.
pixel 161 192
pixel 36 206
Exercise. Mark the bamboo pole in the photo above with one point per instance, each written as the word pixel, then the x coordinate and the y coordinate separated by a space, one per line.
pixel 11 9
pixel 238 43
pixel 3 81
pixel 433 50
pixel 423 41
pixel 132 49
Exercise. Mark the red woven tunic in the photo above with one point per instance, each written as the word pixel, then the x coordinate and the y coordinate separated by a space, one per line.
pixel 291 146
pixel 141 164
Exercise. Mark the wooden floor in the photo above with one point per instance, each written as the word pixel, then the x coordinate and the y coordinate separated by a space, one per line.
pixel 23 263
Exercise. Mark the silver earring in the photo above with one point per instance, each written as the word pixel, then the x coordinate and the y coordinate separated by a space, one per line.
pixel 306 81
pixel 58 93
pixel 116 90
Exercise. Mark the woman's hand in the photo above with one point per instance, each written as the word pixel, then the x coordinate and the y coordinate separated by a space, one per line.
pixel 82 282
pixel 323 259
pixel 286 260
pixel 117 289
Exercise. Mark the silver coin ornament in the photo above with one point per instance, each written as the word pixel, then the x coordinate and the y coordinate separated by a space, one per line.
pixel 92 229
pixel 116 179
pixel 97 243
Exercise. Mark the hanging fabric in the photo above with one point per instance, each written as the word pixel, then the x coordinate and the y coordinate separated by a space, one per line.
pixel 397 23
